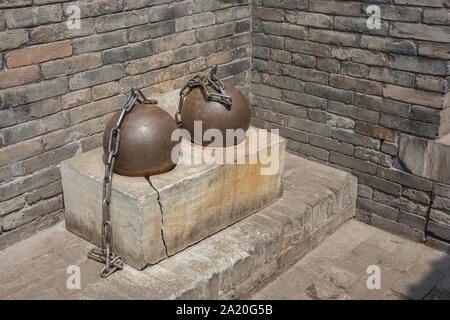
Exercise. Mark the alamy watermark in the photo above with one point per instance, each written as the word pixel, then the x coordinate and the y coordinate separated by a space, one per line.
pixel 374 20
pixel 74 20
pixel 73 282
pixel 374 280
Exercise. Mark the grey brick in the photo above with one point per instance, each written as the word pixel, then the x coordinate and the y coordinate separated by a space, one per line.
pixel 374 156
pixel 269 14
pixel 420 32
pixel 442 190
pixel 440 231
pixel 329 65
pixel 420 65
pixel 304 99
pixel 12 39
pixel 282 82
pixel 389 45
pixel 285 30
pixel 309 126
pixel 122 20
pixel 28 183
pixel 99 42
pixel 416 195
pixel 71 65
pixel 281 56
pixel 441 203
pixel 34 128
pixel 400 203
pixel 305 74
pixel 128 52
pixel 364 191
pixel 287 4
pixel 380 184
pixel 380 104
pixel 26 215
pixel 294 134
pixel 433 16
pixel 434 50
pixel 32 92
pixel 425 114
pixel 409 126
pixel 391 76
pixel 303 60
pixel 329 92
pixel 361 85
pixel 309 19
pixel 361 56
pixel 412 220
pixel 397 228
pixel 358 25
pixel 389 148
pixel 405 179
pixel 355 69
pixel 307 150
pixel 440 217
pixel 95 8
pixel 336 8
pixel 151 31
pixel 31 16
pixel 354 138
pixel 377 208
pixel 399 13
pixel 232 14
pixel 331 144
pixel 194 21
pixel 97 76
pixel 215 32
pixel 270 41
pixel 310 48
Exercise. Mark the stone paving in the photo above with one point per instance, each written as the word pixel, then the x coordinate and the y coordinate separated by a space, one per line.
pixel 337 269
pixel 36 268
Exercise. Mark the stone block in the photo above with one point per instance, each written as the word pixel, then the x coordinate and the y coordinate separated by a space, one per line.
pixel 162 216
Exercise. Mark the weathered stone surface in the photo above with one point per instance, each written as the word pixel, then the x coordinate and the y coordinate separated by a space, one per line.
pixel 425 158
pixel 143 228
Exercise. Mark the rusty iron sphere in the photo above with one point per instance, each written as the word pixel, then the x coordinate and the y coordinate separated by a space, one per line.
pixel 145 145
pixel 215 115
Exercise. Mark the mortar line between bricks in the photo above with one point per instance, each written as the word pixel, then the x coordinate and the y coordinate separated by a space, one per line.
pixel 162 214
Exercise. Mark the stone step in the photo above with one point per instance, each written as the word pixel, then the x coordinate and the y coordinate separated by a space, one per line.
pixel 230 264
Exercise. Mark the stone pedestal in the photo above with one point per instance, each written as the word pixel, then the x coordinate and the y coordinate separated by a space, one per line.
pixel 156 218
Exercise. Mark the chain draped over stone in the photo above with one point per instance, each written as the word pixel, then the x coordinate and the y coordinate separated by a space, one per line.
pixel 105 254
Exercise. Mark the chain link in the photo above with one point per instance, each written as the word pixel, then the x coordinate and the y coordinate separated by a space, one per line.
pixel 202 82
pixel 105 255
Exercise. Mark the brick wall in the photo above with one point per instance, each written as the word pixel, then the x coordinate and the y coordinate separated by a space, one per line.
pixel 353 97
pixel 58 86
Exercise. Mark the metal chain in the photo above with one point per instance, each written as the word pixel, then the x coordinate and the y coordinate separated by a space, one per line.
pixel 202 82
pixel 105 255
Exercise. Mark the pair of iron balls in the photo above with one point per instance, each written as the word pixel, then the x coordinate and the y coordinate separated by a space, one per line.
pixel 145 134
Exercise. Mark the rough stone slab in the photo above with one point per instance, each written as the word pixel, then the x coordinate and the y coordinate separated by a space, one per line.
pixel 178 209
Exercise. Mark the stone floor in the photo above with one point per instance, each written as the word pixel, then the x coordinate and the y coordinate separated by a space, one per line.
pixel 337 269
pixel 36 269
